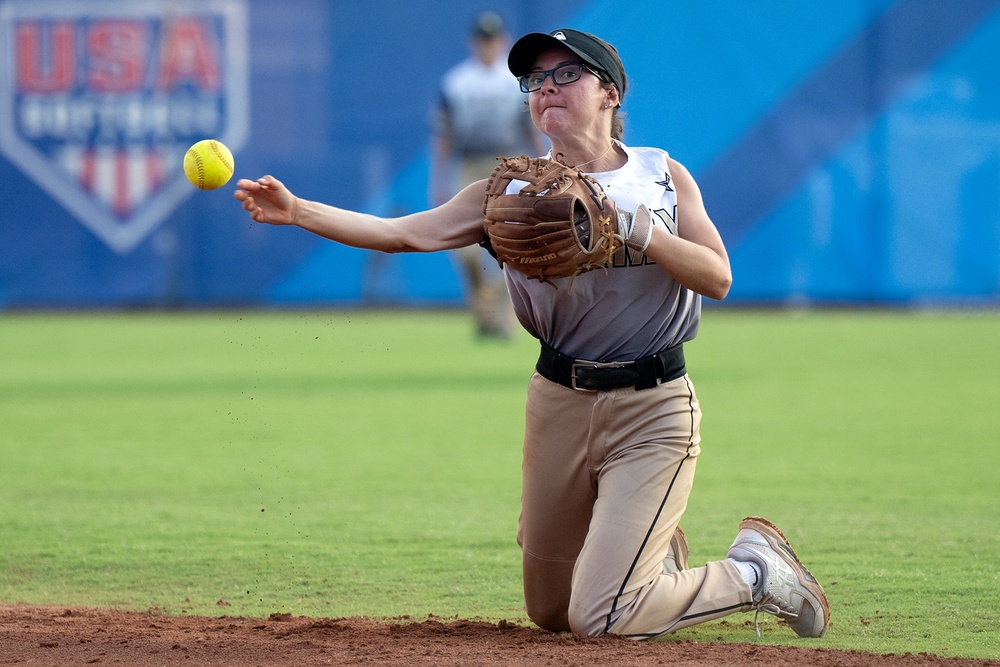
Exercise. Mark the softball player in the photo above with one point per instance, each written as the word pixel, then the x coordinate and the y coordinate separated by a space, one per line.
pixel 612 419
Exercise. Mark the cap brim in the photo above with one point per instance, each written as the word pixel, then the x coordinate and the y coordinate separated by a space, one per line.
pixel 526 50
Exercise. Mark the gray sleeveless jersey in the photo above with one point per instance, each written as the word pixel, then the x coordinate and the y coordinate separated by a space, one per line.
pixel 633 309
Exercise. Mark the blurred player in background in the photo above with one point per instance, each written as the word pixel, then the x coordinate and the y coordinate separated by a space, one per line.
pixel 480 116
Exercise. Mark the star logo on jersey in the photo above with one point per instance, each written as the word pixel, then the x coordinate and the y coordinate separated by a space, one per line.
pixel 99 101
pixel 666 182
pixel 667 219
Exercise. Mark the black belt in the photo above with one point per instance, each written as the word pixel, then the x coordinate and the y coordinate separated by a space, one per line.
pixel 645 373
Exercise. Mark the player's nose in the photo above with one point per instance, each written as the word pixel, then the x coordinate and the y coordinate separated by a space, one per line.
pixel 549 83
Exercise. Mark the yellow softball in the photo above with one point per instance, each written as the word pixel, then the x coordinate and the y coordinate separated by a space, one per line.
pixel 208 164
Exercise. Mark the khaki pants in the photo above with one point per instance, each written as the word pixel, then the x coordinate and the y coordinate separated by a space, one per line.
pixel 487 289
pixel 606 478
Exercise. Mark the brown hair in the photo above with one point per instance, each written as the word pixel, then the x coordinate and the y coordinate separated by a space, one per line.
pixel 617 124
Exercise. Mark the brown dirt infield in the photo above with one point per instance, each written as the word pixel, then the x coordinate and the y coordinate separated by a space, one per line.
pixel 58 635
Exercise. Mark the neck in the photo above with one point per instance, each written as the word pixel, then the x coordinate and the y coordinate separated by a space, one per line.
pixel 602 158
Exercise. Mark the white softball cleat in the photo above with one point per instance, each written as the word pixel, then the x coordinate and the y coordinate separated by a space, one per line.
pixel 790 591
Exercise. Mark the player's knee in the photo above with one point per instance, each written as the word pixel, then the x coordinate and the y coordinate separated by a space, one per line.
pixel 548 617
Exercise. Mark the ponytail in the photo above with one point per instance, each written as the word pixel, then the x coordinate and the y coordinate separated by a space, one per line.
pixel 617 124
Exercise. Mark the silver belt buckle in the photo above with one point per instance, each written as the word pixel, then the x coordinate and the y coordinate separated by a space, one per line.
pixel 594 365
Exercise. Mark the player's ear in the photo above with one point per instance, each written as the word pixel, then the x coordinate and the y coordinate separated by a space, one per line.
pixel 612 100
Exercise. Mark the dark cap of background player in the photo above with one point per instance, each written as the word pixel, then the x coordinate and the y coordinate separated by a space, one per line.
pixel 592 49
pixel 488 25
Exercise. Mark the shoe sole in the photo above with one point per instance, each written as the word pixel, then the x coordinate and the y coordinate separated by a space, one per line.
pixel 679 551
pixel 779 543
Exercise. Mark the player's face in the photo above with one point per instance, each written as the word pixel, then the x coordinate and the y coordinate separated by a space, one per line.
pixel 568 108
pixel 488 49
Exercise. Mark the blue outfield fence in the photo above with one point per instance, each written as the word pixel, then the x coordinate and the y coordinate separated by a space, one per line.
pixel 849 152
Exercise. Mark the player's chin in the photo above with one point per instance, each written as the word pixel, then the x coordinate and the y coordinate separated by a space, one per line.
pixel 552 122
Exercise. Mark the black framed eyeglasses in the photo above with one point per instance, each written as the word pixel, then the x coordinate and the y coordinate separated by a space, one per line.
pixel 561 76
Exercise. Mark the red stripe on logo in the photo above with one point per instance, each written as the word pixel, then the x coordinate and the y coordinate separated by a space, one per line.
pixel 155 170
pixel 88 170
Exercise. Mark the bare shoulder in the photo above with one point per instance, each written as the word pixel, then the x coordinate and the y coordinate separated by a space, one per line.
pixel 687 188
pixel 678 170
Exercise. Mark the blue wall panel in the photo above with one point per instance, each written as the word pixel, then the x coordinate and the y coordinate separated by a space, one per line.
pixel 849 152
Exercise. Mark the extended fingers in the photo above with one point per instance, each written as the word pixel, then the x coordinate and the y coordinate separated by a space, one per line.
pixel 263 183
pixel 269 182
pixel 247 188
pixel 256 213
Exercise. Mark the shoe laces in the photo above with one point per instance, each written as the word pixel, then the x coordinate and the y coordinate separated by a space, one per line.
pixel 768 604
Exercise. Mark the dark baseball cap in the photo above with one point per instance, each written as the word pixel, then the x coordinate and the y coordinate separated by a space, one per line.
pixel 592 49
pixel 488 25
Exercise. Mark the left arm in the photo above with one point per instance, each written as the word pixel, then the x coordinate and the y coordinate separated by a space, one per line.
pixel 696 257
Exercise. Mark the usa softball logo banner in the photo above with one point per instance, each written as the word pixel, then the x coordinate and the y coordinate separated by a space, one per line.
pixel 100 99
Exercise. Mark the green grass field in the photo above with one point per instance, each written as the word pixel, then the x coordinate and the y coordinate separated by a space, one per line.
pixel 367 463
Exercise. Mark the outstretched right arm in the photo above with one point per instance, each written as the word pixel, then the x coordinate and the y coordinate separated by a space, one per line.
pixel 456 223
